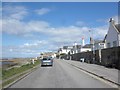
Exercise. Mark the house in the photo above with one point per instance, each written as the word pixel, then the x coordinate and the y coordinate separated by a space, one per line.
pixel 81 48
pixel 86 48
pixel 99 44
pixel 113 36
pixel 76 48
pixel 65 50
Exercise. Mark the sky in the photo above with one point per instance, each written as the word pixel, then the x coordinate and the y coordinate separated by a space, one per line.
pixel 30 28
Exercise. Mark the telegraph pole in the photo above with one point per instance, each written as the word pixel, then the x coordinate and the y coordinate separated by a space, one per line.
pixel 93 46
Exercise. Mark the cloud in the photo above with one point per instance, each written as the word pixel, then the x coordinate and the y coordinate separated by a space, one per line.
pixel 14 12
pixel 25 50
pixel 69 35
pixel 60 34
pixel 42 11
pixel 0 25
pixel 99 32
pixel 13 26
pixel 17 27
pixel 34 44
pixel 36 26
pixel 54 37
pixel 10 50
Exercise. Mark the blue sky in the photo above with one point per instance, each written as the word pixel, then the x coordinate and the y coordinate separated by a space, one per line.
pixel 31 28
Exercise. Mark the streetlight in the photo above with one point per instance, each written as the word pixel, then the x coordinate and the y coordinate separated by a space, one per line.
pixel 93 46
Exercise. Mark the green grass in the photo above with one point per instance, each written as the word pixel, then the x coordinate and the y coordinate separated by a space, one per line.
pixel 16 70
pixel 11 80
pixel 0 73
pixel 20 71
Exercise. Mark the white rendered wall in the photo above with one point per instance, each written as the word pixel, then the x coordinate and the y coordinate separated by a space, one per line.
pixel 111 36
pixel 85 49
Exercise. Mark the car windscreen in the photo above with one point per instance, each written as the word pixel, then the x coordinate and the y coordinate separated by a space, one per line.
pixel 44 59
pixel 49 58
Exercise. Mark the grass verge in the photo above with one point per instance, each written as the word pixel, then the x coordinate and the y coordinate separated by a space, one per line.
pixel 17 72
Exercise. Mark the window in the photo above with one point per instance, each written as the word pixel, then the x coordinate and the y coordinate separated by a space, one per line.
pixel 108 45
pixel 44 58
pixel 114 43
pixel 101 45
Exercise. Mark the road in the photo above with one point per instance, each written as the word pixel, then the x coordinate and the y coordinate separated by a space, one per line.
pixel 60 75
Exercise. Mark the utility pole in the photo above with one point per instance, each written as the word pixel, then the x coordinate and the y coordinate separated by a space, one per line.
pixel 93 46
pixel 93 52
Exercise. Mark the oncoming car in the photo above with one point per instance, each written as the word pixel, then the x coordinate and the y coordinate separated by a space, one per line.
pixel 47 61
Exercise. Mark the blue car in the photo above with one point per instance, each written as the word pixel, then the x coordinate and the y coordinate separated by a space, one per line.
pixel 47 62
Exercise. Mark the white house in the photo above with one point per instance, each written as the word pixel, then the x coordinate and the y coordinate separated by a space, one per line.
pixel 86 48
pixel 81 48
pixel 75 49
pixel 65 50
pixel 99 44
pixel 113 35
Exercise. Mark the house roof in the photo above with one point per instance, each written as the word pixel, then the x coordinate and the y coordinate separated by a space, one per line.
pixel 118 27
pixel 87 46
pixel 77 46
pixel 98 41
pixel 65 47
pixel 105 38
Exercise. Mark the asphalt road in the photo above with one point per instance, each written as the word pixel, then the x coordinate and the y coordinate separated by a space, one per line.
pixel 60 75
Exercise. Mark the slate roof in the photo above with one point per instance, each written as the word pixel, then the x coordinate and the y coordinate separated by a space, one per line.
pixel 98 41
pixel 87 46
pixel 65 47
pixel 118 27
pixel 105 38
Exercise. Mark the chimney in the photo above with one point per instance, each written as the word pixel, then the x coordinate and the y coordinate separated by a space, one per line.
pixel 91 40
pixel 111 21
pixel 83 42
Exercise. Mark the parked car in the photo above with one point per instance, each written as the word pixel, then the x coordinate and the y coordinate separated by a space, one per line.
pixel 47 62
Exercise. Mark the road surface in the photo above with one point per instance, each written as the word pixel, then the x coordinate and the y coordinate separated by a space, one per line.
pixel 60 75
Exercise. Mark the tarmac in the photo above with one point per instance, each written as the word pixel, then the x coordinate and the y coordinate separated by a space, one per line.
pixel 110 74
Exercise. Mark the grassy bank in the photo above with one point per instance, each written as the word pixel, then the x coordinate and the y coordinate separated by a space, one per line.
pixel 8 76
pixel 16 70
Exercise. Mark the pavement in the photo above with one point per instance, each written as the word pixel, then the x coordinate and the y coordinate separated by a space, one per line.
pixel 60 75
pixel 110 74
